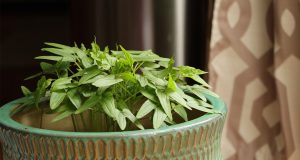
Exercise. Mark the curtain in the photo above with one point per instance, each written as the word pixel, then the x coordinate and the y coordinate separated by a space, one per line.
pixel 255 67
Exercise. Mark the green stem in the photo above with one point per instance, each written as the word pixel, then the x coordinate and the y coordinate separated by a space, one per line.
pixel 41 119
pixel 83 123
pixel 125 89
pixel 74 123
pixel 137 67
pixel 131 96
pixel 78 65
pixel 92 121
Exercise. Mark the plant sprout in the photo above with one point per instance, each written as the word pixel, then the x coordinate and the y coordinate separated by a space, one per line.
pixel 118 88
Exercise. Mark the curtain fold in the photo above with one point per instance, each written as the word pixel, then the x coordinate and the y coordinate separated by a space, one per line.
pixel 255 67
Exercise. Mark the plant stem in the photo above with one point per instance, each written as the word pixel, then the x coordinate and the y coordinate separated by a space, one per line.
pixel 83 123
pixel 41 119
pixel 74 123
pixel 92 121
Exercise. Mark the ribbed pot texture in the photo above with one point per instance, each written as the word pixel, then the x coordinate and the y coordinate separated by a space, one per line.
pixel 196 139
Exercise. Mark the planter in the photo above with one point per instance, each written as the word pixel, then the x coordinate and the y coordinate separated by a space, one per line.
pixel 196 139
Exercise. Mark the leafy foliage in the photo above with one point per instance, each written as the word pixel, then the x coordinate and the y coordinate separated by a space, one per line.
pixel 123 85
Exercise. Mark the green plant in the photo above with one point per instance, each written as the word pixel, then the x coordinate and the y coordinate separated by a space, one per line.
pixel 115 86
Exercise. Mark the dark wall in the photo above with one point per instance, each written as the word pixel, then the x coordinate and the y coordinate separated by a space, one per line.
pixel 136 24
pixel 25 26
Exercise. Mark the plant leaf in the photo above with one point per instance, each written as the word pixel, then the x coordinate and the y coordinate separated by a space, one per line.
pixel 153 79
pixel 142 80
pixel 62 115
pixel 25 91
pixel 89 103
pixel 127 113
pixel 60 52
pixel 165 102
pixel 74 97
pixel 176 96
pixel 148 56
pixel 171 87
pixel 158 118
pixel 198 93
pixel 107 81
pixel 40 91
pixel 56 58
pixel 61 46
pixel 127 56
pixel 33 76
pixel 181 111
pixel 108 105
pixel 149 95
pixel 200 80
pixel 86 61
pixel 61 83
pixel 193 103
pixel 56 99
pixel 92 72
pixel 47 67
pixel 121 119
pixel 146 108
pixel 201 89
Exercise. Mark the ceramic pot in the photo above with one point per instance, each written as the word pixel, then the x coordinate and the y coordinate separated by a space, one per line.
pixel 196 139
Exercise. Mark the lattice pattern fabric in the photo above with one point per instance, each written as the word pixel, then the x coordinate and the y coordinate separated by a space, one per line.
pixel 255 67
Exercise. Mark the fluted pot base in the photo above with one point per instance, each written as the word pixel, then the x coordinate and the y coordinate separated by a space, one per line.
pixel 196 139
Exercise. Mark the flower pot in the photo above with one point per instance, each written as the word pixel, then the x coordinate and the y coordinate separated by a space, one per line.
pixel 196 139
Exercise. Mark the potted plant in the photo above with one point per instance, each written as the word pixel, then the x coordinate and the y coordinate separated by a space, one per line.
pixel 112 104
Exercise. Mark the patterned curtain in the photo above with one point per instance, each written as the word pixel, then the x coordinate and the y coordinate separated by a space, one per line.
pixel 255 67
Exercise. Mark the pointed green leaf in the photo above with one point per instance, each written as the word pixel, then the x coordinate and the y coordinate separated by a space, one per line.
pixel 165 102
pixel 56 58
pixel 60 52
pixel 199 80
pixel 175 96
pixel 149 95
pixel 127 56
pixel 56 99
pixel 199 94
pixel 89 74
pixel 25 91
pixel 121 120
pixel 40 91
pixel 47 67
pixel 61 83
pixel 74 97
pixel 107 81
pixel 61 46
pixel 142 80
pixel 148 56
pixel 146 108
pixel 193 103
pixel 201 89
pixel 153 79
pixel 62 115
pixel 33 76
pixel 89 103
pixel 151 65
pixel 86 61
pixel 108 105
pixel 127 113
pixel 169 121
pixel 202 103
pixel 181 112
pixel 158 118
pixel 171 84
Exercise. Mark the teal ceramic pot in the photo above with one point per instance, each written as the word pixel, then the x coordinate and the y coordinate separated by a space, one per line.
pixel 196 139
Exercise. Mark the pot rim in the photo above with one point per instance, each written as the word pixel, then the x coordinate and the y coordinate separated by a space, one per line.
pixel 7 121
